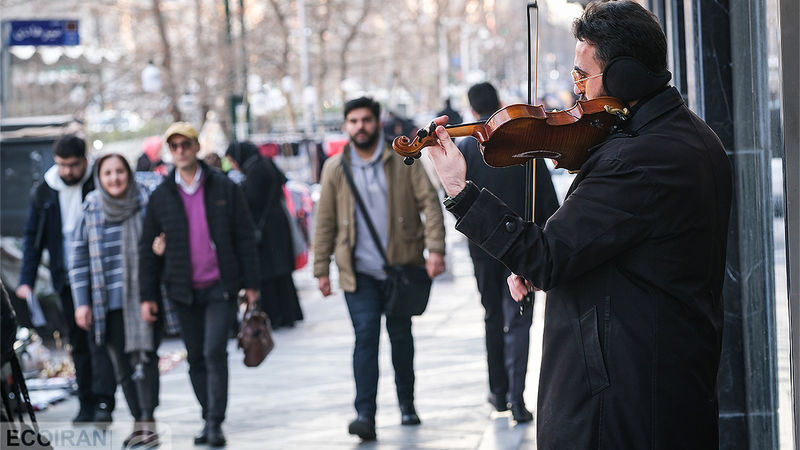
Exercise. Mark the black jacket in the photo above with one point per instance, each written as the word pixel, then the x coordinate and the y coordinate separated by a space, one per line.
pixel 633 264
pixel 230 227
pixel 43 230
pixel 508 184
pixel 263 188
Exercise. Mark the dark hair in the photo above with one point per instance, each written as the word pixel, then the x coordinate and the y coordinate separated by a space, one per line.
pixel 483 98
pixel 99 163
pixel 70 146
pixel 623 28
pixel 363 102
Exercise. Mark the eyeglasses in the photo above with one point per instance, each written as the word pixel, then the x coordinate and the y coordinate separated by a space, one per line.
pixel 184 145
pixel 581 82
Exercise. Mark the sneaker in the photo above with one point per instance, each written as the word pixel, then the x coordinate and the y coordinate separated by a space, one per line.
pixel 144 435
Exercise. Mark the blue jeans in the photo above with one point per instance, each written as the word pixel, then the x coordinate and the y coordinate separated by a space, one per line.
pixel 366 308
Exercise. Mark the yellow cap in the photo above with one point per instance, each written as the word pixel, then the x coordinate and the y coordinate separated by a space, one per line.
pixel 185 129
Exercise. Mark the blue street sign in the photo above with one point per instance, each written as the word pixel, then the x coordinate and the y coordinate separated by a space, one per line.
pixel 43 32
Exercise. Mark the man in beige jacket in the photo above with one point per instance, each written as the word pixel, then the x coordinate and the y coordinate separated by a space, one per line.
pixel 394 195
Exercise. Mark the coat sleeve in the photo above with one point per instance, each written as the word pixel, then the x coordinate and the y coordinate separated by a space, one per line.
pixel 79 265
pixel 326 221
pixel 427 200
pixel 602 218
pixel 244 240
pixel 31 253
pixel 150 265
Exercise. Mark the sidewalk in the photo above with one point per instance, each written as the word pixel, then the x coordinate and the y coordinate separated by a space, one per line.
pixel 301 396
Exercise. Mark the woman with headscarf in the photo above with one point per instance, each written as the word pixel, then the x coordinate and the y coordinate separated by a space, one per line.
pixel 263 187
pixel 104 275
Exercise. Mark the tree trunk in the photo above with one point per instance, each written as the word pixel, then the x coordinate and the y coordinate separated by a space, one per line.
pixel 167 63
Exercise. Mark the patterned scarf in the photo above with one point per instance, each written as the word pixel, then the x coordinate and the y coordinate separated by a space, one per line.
pixel 138 333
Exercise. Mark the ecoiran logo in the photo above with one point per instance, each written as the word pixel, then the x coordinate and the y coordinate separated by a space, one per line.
pixel 64 435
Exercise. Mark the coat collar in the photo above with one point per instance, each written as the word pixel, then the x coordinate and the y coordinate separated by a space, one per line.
pixel 652 108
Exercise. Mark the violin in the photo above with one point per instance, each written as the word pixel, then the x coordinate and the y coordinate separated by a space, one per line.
pixel 520 132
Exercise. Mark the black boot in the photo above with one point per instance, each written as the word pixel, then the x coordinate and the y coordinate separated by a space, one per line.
pixel 408 415
pixel 363 427
pixel 202 437
pixel 85 414
pixel 215 436
pixel 498 401
pixel 520 412
pixel 102 413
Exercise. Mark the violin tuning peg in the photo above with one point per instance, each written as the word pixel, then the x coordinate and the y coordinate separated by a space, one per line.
pixel 408 160
pixel 422 133
pixel 432 128
pixel 417 155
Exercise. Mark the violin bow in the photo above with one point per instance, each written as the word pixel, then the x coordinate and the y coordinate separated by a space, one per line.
pixel 530 165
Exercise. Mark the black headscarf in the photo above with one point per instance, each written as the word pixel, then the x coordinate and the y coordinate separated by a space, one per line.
pixel 244 153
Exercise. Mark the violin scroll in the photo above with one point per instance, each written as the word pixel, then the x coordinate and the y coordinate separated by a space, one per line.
pixel 411 150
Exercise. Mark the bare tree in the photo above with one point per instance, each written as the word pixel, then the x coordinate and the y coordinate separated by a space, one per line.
pixel 283 63
pixel 352 30
pixel 167 62
pixel 322 20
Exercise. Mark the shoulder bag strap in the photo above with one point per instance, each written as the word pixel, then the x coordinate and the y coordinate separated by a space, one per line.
pixel 363 209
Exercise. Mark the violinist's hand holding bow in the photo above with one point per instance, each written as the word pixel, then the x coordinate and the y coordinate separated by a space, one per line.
pixel 448 160
pixel 519 287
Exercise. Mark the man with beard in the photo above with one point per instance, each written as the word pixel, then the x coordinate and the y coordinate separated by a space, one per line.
pixel 394 196
pixel 54 213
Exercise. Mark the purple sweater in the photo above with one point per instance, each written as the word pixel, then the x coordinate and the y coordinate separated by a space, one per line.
pixel 205 268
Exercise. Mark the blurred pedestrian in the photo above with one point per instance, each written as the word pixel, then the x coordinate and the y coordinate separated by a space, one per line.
pixel 453 117
pixel 263 188
pixel 213 160
pixel 53 215
pixel 202 221
pixel 105 285
pixel 397 125
pixel 150 160
pixel 395 195
pixel 507 330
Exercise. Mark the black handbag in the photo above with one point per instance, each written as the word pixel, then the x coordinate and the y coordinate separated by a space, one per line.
pixel 407 287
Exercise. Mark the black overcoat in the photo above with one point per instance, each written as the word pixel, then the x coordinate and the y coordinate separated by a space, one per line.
pixel 263 188
pixel 633 265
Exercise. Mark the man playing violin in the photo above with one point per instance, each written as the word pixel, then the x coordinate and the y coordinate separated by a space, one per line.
pixel 632 262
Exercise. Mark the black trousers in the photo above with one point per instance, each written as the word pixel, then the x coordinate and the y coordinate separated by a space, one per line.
pixel 507 332
pixel 204 328
pixel 94 372
pixel 141 392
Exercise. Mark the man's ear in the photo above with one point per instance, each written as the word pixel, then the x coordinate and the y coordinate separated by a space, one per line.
pixel 627 78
